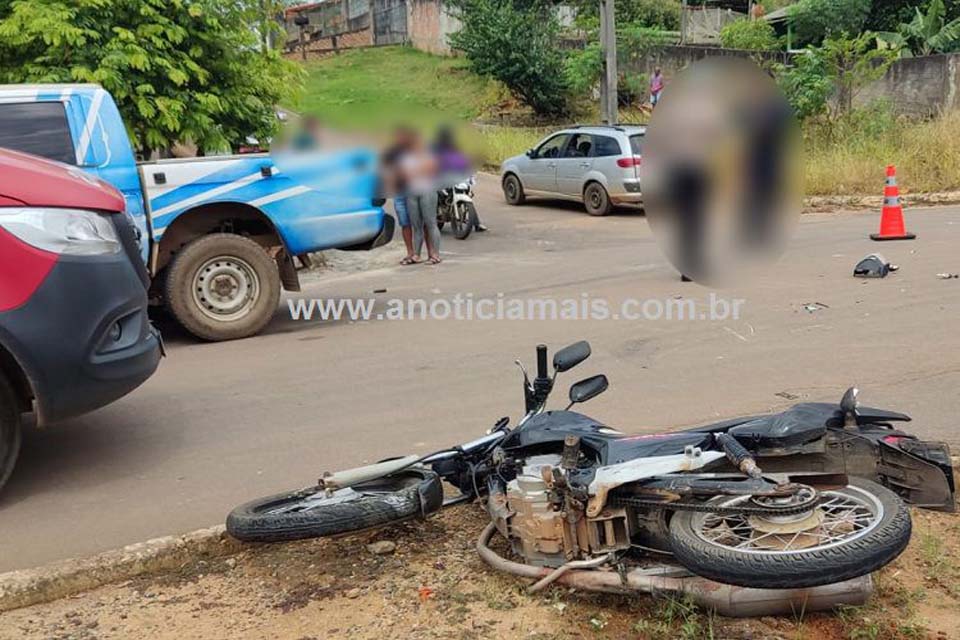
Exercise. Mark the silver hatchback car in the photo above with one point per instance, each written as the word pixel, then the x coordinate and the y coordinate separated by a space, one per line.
pixel 597 165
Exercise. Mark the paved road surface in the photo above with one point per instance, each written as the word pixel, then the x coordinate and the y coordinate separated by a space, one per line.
pixel 222 423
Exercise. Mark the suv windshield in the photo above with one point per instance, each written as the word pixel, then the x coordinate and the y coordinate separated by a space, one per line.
pixel 636 144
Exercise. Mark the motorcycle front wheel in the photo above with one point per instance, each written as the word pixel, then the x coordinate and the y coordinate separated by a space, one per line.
pixel 852 532
pixel 463 220
pixel 315 513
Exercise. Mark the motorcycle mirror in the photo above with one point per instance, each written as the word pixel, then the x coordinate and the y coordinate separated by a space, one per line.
pixel 849 402
pixel 569 357
pixel 588 388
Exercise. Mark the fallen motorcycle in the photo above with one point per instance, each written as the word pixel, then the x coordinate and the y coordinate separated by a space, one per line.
pixel 810 496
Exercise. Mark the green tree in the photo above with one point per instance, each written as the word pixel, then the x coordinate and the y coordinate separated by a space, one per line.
pixel 180 70
pixel 814 20
pixel 756 35
pixel 516 43
pixel 837 69
pixel 658 14
pixel 928 32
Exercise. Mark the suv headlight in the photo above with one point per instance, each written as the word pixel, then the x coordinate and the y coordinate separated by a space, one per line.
pixel 74 232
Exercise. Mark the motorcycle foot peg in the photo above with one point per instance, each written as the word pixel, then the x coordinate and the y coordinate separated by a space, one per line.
pixel 738 455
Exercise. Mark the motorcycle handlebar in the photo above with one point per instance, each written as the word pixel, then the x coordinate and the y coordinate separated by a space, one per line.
pixel 541 361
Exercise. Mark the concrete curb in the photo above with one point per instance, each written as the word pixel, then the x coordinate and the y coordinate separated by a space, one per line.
pixel 65 578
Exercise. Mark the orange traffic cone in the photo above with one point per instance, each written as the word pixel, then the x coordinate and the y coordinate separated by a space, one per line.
pixel 891 216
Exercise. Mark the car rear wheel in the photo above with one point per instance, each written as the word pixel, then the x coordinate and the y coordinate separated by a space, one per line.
pixel 222 287
pixel 596 200
pixel 9 429
pixel 513 190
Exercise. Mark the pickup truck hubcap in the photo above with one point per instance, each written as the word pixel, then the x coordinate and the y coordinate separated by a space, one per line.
pixel 225 288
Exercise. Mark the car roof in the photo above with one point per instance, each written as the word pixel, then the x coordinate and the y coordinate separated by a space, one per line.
pixel 628 129
pixel 38 182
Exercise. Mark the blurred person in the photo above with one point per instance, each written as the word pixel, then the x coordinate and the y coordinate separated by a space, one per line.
pixel 393 179
pixel 453 165
pixel 656 87
pixel 419 169
pixel 308 135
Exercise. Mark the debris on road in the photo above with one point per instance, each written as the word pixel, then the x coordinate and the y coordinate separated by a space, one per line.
pixel 810 307
pixel 382 547
pixel 948 276
pixel 873 266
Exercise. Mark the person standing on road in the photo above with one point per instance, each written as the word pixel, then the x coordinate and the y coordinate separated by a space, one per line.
pixel 419 169
pixel 394 182
pixel 656 86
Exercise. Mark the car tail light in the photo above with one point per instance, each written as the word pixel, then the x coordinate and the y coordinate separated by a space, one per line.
pixel 626 163
pixel 75 232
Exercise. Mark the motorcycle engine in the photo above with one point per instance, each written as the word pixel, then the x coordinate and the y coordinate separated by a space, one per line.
pixel 548 530
pixel 536 526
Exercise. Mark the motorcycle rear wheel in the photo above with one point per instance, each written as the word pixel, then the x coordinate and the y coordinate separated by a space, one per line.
pixel 864 526
pixel 312 513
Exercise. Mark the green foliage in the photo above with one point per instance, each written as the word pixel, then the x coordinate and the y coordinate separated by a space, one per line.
pixel 805 84
pixel 659 14
pixel 839 68
pixel 180 70
pixel 756 35
pixel 926 33
pixel 515 43
pixel 814 20
pixel 584 67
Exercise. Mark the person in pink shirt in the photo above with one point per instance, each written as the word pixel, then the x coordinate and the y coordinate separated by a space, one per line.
pixel 656 86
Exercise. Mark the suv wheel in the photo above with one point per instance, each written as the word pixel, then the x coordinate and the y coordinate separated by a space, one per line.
pixel 513 190
pixel 596 200
pixel 9 429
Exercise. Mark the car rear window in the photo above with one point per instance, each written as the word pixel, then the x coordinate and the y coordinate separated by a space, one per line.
pixel 39 128
pixel 605 146
pixel 636 144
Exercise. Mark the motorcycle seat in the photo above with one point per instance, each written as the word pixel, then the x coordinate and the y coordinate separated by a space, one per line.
pixel 798 425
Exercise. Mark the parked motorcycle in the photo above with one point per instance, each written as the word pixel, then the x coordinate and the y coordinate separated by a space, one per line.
pixel 569 492
pixel 455 205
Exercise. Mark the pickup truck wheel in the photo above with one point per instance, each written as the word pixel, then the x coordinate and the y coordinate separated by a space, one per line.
pixel 9 429
pixel 222 287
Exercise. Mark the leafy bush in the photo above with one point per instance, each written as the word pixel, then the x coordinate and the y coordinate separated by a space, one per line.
pixel 805 84
pixel 658 14
pixel 814 20
pixel 180 71
pixel 516 44
pixel 756 35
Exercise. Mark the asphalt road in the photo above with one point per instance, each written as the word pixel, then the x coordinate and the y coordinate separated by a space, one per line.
pixel 222 423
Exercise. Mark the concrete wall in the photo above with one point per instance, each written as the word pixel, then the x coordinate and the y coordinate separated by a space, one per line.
pixel 429 23
pixel 672 58
pixel 917 86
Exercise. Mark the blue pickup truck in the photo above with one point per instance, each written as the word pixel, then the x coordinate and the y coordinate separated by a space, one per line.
pixel 220 235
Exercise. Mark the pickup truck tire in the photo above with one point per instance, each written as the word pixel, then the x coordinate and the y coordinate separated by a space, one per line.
pixel 9 429
pixel 222 287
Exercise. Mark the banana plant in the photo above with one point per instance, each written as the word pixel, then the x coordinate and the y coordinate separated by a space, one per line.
pixel 926 34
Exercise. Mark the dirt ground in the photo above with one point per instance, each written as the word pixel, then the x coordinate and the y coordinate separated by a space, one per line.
pixel 433 585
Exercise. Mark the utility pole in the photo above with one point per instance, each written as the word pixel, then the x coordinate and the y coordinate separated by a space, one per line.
pixel 608 44
pixel 683 22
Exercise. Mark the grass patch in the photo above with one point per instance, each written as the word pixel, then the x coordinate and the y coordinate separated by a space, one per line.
pixel 849 156
pixel 375 89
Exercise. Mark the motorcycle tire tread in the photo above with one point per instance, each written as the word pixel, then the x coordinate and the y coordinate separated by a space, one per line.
pixel 803 569
pixel 248 524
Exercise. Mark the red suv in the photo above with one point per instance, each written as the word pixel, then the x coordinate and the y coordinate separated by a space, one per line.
pixel 74 333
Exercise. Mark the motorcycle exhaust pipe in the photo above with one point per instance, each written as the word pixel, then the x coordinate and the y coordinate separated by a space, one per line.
pixel 727 600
